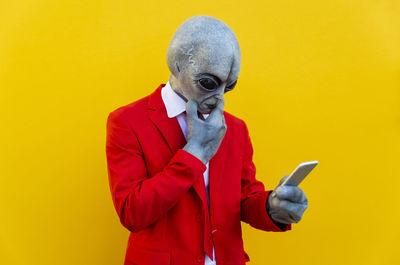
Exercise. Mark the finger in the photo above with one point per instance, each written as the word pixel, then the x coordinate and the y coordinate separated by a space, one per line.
pixel 191 109
pixel 294 218
pixel 294 209
pixel 217 112
pixel 291 193
pixel 286 218
pixel 282 219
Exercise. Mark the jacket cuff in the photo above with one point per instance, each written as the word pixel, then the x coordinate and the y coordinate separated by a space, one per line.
pixel 195 165
pixel 279 227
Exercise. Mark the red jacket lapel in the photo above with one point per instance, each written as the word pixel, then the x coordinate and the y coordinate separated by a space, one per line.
pixel 172 133
pixel 168 127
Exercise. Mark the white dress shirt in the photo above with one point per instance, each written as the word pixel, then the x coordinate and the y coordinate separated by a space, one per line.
pixel 176 107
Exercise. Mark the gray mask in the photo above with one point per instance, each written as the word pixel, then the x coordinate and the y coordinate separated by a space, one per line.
pixel 204 59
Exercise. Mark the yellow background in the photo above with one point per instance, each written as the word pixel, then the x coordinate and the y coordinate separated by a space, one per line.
pixel 320 80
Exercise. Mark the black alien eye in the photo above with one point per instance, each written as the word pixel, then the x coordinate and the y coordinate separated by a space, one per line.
pixel 208 83
pixel 230 87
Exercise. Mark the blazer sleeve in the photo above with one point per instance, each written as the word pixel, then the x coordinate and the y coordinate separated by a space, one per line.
pixel 253 194
pixel 138 199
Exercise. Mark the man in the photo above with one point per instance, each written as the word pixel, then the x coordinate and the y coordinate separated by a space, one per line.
pixel 180 168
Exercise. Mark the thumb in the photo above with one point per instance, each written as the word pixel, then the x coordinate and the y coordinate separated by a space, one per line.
pixel 280 182
pixel 283 179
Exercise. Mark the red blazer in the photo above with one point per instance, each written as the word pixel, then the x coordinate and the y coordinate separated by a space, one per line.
pixel 159 193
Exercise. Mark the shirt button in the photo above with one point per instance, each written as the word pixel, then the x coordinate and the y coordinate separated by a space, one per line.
pixel 199 259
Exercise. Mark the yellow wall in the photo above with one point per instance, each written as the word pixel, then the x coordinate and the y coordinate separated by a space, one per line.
pixel 320 80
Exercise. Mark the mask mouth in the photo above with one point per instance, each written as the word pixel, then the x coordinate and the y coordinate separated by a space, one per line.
pixel 208 106
pixel 205 108
pixel 211 102
pixel 211 106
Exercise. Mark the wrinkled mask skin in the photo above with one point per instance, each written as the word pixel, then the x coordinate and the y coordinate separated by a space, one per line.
pixel 204 59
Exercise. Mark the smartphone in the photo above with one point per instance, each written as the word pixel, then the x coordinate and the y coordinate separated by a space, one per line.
pixel 300 173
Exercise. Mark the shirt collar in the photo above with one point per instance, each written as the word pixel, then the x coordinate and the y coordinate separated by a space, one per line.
pixel 174 104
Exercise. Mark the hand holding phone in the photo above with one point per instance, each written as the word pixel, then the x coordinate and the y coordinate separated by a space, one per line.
pixel 287 202
pixel 299 174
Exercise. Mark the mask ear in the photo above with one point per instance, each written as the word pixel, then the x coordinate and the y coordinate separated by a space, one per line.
pixel 177 67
